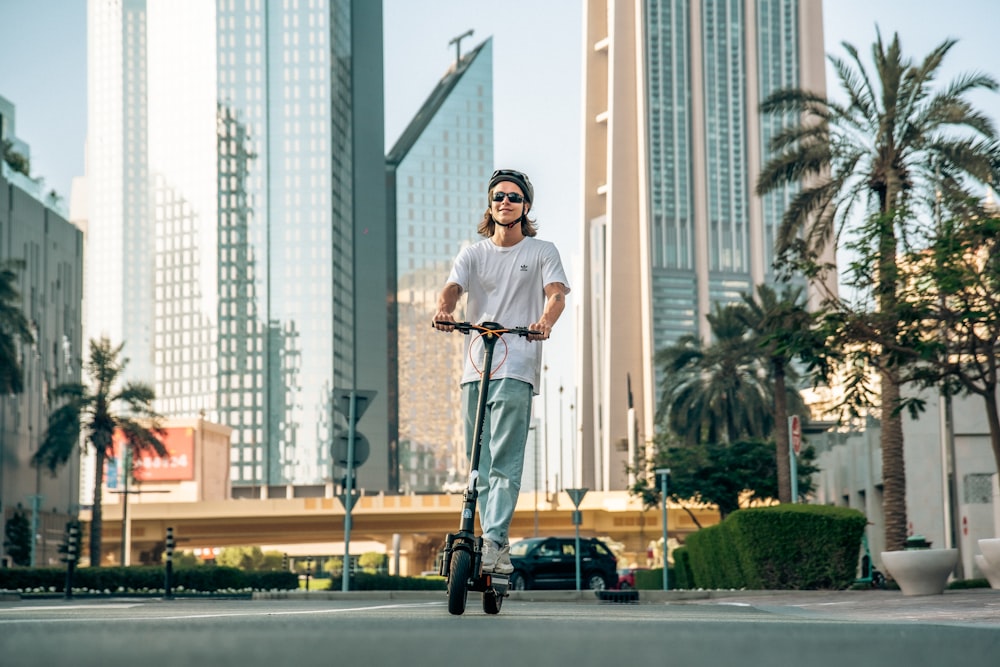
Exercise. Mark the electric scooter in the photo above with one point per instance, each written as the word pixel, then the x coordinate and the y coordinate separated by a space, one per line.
pixel 463 551
pixel 869 573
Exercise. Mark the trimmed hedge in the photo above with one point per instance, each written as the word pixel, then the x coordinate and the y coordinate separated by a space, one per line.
pixel 798 546
pixel 714 561
pixel 363 581
pixel 213 579
pixel 683 578
pixel 782 547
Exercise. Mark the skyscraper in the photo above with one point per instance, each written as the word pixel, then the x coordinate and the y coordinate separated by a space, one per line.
pixel 673 144
pixel 48 254
pixel 437 175
pixel 236 238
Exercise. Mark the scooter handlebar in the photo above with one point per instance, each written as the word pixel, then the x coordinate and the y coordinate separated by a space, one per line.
pixel 489 327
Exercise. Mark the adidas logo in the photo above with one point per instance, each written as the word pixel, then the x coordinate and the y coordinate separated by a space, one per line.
pixel 524 267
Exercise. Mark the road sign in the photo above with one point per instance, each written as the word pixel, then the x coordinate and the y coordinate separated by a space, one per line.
pixel 576 495
pixel 339 449
pixel 795 433
pixel 362 399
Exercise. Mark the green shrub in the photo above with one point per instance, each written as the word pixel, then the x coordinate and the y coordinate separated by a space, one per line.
pixel 363 581
pixel 273 580
pixel 798 546
pixel 683 578
pixel 788 546
pixel 649 580
pixel 134 579
pixel 713 558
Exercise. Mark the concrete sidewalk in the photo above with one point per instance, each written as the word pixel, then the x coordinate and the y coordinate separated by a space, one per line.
pixel 978 606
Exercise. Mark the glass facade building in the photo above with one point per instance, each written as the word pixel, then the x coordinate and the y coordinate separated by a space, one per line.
pixel 44 252
pixel 225 181
pixel 438 170
pixel 673 145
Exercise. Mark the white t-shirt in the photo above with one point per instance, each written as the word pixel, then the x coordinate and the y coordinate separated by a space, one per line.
pixel 507 286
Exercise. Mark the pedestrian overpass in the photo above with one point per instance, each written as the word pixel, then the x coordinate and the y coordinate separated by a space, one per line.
pixel 409 526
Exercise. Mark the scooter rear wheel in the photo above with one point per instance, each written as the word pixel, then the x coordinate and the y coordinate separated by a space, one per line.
pixel 458 581
pixel 492 600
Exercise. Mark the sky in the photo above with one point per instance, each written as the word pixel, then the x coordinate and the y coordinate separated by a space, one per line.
pixel 537 54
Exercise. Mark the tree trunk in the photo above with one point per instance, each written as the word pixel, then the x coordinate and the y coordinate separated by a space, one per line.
pixel 692 515
pixel 781 436
pixel 96 513
pixel 993 417
pixel 893 465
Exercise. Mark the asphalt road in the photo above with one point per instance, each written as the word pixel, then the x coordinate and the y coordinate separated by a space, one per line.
pixel 418 631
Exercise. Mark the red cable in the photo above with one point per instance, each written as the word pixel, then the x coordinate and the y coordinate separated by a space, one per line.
pixel 506 348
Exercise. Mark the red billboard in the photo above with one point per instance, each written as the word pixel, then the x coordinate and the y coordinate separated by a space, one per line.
pixel 176 466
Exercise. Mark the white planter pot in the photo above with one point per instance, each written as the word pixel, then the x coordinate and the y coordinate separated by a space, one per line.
pixel 920 571
pixel 990 548
pixel 991 573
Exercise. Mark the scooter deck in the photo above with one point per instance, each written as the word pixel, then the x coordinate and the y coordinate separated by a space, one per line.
pixel 490 581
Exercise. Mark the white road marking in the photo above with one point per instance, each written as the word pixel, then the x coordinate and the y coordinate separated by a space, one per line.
pixel 113 605
pixel 184 617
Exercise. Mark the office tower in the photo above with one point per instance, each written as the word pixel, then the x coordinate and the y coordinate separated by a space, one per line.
pixel 50 283
pixel 673 144
pixel 437 176
pixel 236 238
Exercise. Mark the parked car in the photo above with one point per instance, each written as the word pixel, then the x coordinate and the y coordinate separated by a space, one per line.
pixel 550 562
pixel 626 577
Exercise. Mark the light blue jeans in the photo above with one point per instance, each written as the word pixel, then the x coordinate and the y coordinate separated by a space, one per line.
pixel 501 461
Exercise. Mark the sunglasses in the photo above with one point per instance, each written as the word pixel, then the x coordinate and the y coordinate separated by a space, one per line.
pixel 512 197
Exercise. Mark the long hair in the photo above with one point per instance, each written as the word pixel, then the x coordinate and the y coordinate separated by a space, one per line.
pixel 488 225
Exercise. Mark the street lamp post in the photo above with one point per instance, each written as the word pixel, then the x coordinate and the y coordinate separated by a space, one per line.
pixel 545 411
pixel 562 477
pixel 534 429
pixel 574 474
pixel 664 473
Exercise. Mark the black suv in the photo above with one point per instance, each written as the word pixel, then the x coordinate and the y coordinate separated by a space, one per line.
pixel 550 562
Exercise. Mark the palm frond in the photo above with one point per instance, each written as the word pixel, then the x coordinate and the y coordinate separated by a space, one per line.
pixel 61 438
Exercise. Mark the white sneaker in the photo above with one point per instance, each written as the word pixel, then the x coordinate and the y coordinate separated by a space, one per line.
pixel 504 566
pixel 491 554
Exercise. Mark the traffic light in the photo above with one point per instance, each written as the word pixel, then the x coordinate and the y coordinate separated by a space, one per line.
pixel 168 571
pixel 72 542
pixel 72 555
pixel 284 562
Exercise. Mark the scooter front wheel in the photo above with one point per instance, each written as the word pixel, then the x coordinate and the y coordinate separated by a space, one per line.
pixel 458 581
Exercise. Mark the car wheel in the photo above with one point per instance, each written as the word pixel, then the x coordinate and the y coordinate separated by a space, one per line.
pixel 518 582
pixel 595 582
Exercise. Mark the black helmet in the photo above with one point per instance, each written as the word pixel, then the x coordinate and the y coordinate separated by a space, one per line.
pixel 516 177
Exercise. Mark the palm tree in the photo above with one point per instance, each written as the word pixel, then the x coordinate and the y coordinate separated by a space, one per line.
pixel 879 154
pixel 714 393
pixel 94 410
pixel 782 327
pixel 13 328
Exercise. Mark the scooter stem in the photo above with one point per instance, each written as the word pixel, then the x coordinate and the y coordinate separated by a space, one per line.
pixel 471 493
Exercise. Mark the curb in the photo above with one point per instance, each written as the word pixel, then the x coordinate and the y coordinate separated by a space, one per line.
pixel 583 597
